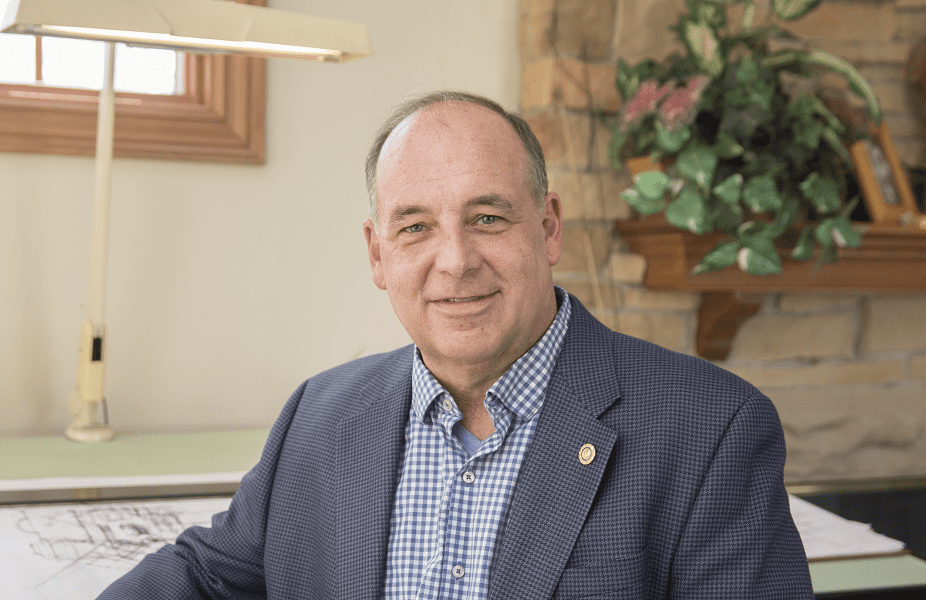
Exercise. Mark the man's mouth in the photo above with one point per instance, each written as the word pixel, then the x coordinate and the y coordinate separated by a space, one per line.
pixel 467 299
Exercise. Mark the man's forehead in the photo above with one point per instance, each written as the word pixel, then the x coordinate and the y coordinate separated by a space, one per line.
pixel 453 118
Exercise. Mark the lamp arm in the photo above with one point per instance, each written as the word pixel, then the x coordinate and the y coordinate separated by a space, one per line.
pixel 91 368
pixel 99 241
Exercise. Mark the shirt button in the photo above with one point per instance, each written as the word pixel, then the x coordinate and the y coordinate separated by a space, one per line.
pixel 468 477
pixel 447 405
pixel 458 571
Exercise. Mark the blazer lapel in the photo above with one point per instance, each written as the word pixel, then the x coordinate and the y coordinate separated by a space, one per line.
pixel 555 490
pixel 369 447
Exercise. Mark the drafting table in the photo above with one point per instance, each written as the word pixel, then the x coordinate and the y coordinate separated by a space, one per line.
pixel 53 470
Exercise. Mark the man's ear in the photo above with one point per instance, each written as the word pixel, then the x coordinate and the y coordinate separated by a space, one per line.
pixel 373 252
pixel 553 227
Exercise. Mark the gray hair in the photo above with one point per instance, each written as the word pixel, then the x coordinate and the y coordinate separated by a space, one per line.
pixel 537 170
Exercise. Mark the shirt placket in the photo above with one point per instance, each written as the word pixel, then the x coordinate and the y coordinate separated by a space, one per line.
pixel 464 475
pixel 454 458
pixel 458 569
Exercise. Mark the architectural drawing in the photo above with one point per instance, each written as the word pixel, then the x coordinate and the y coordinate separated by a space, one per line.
pixel 58 550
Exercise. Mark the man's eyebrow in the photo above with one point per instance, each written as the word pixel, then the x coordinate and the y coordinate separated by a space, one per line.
pixel 489 200
pixel 492 201
pixel 404 211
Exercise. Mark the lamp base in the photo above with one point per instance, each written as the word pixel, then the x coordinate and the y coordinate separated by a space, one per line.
pixel 85 427
pixel 89 433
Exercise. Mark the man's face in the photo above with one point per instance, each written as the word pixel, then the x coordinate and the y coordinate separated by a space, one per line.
pixel 461 248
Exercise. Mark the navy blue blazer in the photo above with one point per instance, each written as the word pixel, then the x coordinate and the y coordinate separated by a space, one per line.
pixel 683 500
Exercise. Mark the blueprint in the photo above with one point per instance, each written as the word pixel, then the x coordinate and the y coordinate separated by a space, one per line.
pixel 75 550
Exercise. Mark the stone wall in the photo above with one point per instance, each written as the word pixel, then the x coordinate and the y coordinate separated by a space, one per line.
pixel 846 372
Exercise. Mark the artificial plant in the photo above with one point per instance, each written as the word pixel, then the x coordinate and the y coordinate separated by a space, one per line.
pixel 749 146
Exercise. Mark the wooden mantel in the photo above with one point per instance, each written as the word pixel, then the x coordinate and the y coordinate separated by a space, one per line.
pixel 890 259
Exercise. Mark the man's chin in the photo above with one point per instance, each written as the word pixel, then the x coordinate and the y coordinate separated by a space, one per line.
pixel 465 347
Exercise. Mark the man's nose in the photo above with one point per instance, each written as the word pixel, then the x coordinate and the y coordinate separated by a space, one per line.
pixel 457 252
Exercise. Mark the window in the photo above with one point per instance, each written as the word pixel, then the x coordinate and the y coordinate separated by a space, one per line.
pixel 64 62
pixel 217 116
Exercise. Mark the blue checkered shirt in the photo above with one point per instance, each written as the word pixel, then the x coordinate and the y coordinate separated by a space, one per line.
pixel 450 505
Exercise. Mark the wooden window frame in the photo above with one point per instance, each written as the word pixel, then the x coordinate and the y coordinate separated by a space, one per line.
pixel 219 118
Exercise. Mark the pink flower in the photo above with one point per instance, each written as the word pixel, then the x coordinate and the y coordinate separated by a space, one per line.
pixel 643 102
pixel 679 108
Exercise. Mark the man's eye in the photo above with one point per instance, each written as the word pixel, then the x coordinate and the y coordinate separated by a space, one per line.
pixel 416 228
pixel 488 219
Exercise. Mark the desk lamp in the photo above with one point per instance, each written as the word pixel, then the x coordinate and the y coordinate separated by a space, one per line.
pixel 188 25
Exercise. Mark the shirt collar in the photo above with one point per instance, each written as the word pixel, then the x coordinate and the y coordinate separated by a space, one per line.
pixel 521 388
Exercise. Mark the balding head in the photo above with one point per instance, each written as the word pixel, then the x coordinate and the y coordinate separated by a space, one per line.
pixel 535 175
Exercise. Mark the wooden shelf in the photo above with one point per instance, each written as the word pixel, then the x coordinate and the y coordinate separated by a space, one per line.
pixel 891 259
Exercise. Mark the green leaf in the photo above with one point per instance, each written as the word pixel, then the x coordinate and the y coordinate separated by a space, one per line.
pixel 749 87
pixel 822 192
pixel 809 134
pixel 747 72
pixel 749 15
pixel 725 217
pixel 721 257
pixel 788 214
pixel 643 141
pixel 751 229
pixel 703 46
pixel 805 243
pixel 802 107
pixel 712 14
pixel 730 189
pixel 793 9
pixel 759 257
pixel 618 140
pixel 698 165
pixel 760 194
pixel 651 184
pixel 635 199
pixel 831 137
pixel 629 76
pixel 840 232
pixel 820 109
pixel 627 79
pixel 846 235
pixel 671 141
pixel 688 211
pixel 830 234
pixel 857 83
pixel 742 123
pixel 824 233
pixel 808 128
pixel 727 146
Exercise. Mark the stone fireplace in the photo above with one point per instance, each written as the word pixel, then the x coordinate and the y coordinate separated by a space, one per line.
pixel 847 372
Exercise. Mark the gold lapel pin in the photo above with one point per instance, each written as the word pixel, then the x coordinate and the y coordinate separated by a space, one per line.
pixel 586 454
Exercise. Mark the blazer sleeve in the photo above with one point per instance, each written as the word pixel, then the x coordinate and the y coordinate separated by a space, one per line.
pixel 222 561
pixel 740 540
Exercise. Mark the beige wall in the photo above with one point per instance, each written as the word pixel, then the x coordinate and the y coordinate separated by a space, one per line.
pixel 229 285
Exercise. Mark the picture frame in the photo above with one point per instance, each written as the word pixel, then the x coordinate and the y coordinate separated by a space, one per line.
pixel 882 178
pixel 918 183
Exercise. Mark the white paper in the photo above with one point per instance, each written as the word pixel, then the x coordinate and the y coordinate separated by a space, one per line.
pixel 74 551
pixel 827 535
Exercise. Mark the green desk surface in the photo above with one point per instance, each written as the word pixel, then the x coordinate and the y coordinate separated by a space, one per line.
pixel 858 574
pixel 127 455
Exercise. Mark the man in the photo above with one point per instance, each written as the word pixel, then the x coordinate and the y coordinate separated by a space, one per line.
pixel 519 449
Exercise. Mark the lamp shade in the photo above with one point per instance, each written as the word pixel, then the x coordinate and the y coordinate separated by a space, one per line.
pixel 192 26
